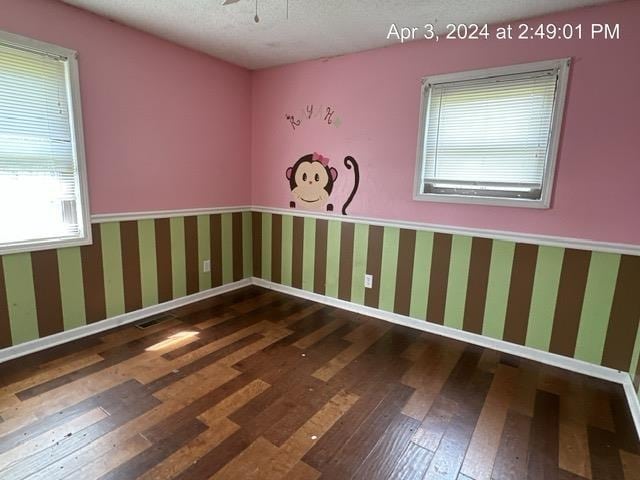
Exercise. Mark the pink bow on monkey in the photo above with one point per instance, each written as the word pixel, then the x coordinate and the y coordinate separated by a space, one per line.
pixel 323 160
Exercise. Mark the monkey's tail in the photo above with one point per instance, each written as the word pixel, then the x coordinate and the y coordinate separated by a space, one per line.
pixel 349 161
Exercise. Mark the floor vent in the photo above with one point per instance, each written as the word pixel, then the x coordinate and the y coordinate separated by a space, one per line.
pixel 156 319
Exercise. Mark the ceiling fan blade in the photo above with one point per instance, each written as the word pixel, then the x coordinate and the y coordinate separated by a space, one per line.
pixel 229 2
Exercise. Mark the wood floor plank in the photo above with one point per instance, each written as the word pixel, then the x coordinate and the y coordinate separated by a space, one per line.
pixel 606 463
pixel 319 334
pixel 361 342
pixel 148 458
pixel 630 465
pixel 448 458
pixel 511 458
pixel 49 438
pixel 427 376
pixel 480 456
pixel 435 424
pixel 233 402
pixel 412 463
pixel 181 459
pixel 573 438
pixel 347 460
pixel 255 384
pixel 382 460
pixel 291 452
pixel 112 459
pixel 543 445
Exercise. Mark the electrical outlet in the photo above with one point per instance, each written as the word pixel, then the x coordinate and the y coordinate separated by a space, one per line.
pixel 368 281
pixel 206 266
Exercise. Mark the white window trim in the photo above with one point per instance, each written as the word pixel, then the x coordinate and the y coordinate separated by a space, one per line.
pixel 77 139
pixel 563 65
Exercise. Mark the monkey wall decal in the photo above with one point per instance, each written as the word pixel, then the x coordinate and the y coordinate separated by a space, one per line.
pixel 311 181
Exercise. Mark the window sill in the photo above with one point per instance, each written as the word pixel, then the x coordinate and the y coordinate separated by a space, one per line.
pixel 543 203
pixel 21 247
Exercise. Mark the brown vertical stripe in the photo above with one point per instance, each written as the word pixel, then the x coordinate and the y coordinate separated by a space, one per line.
pixel 522 274
pixel 5 325
pixel 131 265
pixel 191 254
pixel 320 270
pixel 163 259
pixel 296 260
pixel 256 228
pixel 347 230
pixel 276 248
pixel 404 276
pixel 215 225
pixel 374 264
pixel 625 313
pixel 439 278
pixel 236 229
pixel 46 283
pixel 93 278
pixel 477 286
pixel 566 321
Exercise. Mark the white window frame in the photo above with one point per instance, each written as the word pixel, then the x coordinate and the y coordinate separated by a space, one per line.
pixel 77 144
pixel 563 66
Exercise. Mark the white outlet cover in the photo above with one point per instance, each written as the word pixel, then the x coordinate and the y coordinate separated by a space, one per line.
pixel 206 266
pixel 368 281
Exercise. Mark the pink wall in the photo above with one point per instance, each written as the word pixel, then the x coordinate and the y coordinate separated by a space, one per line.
pixel 165 127
pixel 377 95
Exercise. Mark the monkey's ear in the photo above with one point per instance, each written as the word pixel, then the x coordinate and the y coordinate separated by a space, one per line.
pixel 334 173
pixel 289 172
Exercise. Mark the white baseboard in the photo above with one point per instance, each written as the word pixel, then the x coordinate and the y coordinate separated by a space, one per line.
pixel 86 330
pixel 547 358
pixel 633 399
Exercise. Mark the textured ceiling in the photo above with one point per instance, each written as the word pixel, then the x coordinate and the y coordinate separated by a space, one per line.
pixel 314 29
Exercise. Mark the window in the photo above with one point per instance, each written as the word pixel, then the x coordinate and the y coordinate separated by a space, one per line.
pixel 43 194
pixel 491 136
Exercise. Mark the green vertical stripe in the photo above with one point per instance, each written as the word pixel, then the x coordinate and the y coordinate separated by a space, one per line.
pixel 543 297
pixel 178 260
pixel 148 263
pixel 287 249
pixel 498 288
pixel 71 287
pixel 112 266
pixel 308 253
pixel 227 248
pixel 389 267
pixel 333 258
pixel 21 298
pixel 596 307
pixel 266 246
pixel 360 244
pixel 421 274
pixel 247 245
pixel 457 282
pixel 204 251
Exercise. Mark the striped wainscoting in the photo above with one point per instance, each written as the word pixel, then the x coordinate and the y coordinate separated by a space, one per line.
pixel 576 303
pixel 130 265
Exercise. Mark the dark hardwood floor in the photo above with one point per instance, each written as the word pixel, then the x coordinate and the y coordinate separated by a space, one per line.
pixel 259 385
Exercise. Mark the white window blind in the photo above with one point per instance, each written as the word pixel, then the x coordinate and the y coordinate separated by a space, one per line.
pixel 489 136
pixel 40 186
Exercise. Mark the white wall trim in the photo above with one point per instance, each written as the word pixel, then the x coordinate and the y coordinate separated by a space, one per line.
pixel 90 329
pixel 123 217
pixel 536 239
pixel 549 240
pixel 566 363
